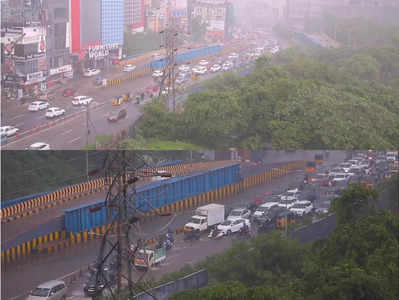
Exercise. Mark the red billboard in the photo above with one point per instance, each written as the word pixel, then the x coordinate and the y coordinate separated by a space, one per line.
pixel 75 25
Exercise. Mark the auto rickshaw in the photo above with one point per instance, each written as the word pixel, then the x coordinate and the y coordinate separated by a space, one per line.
pixel 121 99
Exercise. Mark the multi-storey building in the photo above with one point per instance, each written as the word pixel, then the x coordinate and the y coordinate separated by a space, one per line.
pixel 134 15
pixel 112 21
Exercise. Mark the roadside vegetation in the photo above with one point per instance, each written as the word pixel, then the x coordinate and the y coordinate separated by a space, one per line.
pixel 359 260
pixel 305 99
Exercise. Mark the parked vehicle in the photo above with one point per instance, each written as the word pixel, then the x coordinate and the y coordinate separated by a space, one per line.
pixel 205 217
pixel 38 105
pixel 231 226
pixel 8 130
pixel 203 62
pixel 302 208
pixel 81 100
pixel 91 72
pixel 53 112
pixel 116 117
pixel 68 92
pixel 51 290
pixel 147 258
pixel 239 213
pixel 184 68
pixel 287 202
pixel 129 68
pixel 39 146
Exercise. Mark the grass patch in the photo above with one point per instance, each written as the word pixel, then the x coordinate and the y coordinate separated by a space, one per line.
pixel 155 144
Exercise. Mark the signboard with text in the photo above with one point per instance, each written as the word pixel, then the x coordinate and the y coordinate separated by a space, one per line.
pixel 101 51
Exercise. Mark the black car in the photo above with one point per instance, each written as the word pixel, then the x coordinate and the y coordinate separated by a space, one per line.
pixel 120 115
pixel 99 281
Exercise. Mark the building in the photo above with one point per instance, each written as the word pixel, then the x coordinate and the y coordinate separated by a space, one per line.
pixel 212 12
pixel 135 15
pixel 97 28
pixel 57 39
pixel 112 21
pixel 23 40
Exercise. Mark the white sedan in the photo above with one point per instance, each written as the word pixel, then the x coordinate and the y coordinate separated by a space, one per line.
pixel 203 62
pixel 81 100
pixel 39 146
pixel 129 68
pixel 216 68
pixel 8 130
pixel 53 112
pixel 38 105
pixel 302 208
pixel 200 70
pixel 157 73
pixel 91 72
pixel 231 226
pixel 184 68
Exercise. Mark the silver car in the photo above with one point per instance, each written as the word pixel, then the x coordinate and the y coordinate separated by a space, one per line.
pixel 51 290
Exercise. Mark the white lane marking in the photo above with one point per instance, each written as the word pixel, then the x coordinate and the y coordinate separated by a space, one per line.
pixel 74 140
pixel 66 132
pixel 18 116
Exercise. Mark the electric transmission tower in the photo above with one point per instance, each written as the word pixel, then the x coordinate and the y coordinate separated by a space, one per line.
pixel 123 236
pixel 169 42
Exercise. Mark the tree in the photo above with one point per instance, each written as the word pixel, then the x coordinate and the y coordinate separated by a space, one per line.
pixel 356 200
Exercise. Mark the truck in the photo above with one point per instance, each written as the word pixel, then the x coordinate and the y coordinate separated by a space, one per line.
pixel 205 217
pixel 147 258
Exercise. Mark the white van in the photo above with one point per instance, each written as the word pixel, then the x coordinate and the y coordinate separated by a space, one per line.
pixel 51 290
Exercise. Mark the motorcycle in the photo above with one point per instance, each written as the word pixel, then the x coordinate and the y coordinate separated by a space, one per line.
pixel 216 234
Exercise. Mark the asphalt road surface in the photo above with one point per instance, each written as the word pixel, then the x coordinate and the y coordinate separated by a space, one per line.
pixel 22 276
pixel 70 134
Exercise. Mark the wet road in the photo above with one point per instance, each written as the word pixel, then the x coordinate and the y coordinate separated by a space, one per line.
pixel 23 276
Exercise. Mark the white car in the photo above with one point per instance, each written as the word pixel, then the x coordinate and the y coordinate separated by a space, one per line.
pixel 231 226
pixel 129 68
pixel 184 68
pixel 38 105
pixel 264 208
pixel 216 68
pixel 227 66
pixel 335 171
pixel 233 55
pixel 53 112
pixel 340 177
pixel 290 195
pixel 165 91
pixel 200 70
pixel 181 79
pixel 91 72
pixel 81 100
pixel 239 213
pixel 346 166
pixel 39 146
pixel 52 290
pixel 302 208
pixel 8 130
pixel 203 62
pixel 157 73
pixel 287 202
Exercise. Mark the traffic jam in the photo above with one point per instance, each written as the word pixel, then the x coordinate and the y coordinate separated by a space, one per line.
pixel 308 195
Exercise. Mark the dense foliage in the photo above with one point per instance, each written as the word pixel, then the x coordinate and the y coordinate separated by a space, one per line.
pixel 360 260
pixel 325 99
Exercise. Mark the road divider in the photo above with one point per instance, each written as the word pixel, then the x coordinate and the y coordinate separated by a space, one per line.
pixel 56 241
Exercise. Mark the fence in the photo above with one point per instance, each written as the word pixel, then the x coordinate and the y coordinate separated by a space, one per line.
pixel 56 241
pixel 193 281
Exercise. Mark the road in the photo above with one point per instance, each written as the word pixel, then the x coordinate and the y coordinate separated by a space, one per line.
pixel 70 134
pixel 51 219
pixel 25 275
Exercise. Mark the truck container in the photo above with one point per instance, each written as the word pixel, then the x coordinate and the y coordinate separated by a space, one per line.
pixel 205 217
pixel 147 258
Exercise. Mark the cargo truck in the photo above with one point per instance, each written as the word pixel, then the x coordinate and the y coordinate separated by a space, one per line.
pixel 205 217
pixel 147 258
